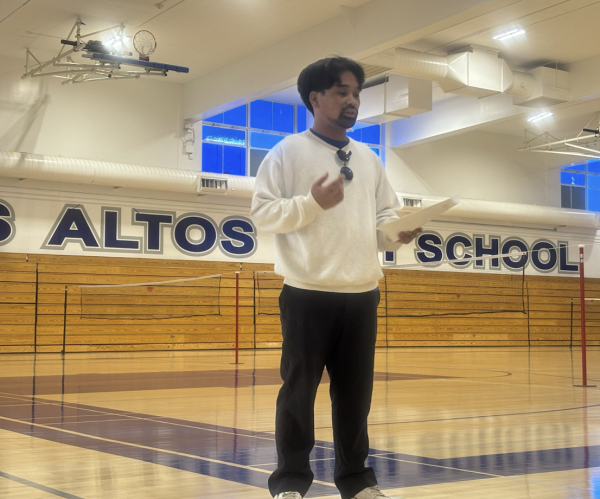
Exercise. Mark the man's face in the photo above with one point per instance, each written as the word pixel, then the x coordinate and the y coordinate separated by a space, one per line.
pixel 339 104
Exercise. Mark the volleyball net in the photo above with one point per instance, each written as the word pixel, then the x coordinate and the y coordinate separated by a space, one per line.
pixel 177 298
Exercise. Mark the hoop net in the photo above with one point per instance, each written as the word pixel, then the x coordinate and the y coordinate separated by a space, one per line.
pixel 190 297
pixel 145 44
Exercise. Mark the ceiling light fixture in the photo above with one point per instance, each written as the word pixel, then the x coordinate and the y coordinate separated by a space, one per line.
pixel 509 34
pixel 539 117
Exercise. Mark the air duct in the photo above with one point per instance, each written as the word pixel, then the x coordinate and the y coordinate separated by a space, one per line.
pixel 390 97
pixel 473 70
pixel 499 213
pixel 83 171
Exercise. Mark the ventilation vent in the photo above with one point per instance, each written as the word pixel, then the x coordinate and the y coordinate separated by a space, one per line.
pixel 213 185
pixel 412 202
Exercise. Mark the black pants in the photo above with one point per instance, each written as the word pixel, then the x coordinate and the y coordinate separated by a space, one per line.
pixel 337 331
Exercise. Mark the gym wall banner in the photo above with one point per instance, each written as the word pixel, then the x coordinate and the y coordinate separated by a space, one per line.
pixel 101 227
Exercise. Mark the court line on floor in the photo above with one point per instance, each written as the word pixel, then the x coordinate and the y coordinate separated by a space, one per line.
pixel 486 475
pixel 153 449
pixel 475 417
pixel 39 486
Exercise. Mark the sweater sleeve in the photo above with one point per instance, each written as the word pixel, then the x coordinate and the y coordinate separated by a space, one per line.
pixel 386 203
pixel 271 211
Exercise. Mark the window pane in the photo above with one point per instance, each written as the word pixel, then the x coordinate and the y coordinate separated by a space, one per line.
pixel 580 167
pixel 593 165
pixel 256 158
pixel 565 196
pixel 371 134
pixel 594 199
pixel 264 140
pixel 235 116
pixel 578 198
pixel 572 178
pixel 356 135
pixel 212 158
pixel 234 160
pixel 300 119
pixel 261 115
pixel 593 180
pixel 217 118
pixel 283 117
pixel 375 150
pixel 224 135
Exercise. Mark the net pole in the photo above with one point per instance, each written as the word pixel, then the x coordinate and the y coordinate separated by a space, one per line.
pixel 64 342
pixel 582 312
pixel 237 316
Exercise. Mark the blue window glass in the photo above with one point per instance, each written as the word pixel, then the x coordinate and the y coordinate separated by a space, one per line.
pixel 236 116
pixel 356 135
pixel 371 134
pixel 224 135
pixel 212 158
pixel 264 140
pixel 593 165
pixel 593 199
pixel 234 160
pixel 283 117
pixel 375 150
pixel 580 168
pixel 572 178
pixel 593 181
pixel 217 118
pixel 261 115
pixel 300 119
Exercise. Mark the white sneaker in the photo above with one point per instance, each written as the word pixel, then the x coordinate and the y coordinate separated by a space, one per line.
pixel 373 493
pixel 288 495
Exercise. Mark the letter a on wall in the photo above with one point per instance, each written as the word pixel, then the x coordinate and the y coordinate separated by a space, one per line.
pixel 72 225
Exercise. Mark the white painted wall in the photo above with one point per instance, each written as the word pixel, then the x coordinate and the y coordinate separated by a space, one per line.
pixel 130 121
pixel 476 165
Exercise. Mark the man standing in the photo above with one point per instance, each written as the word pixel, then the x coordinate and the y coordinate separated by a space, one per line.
pixel 326 242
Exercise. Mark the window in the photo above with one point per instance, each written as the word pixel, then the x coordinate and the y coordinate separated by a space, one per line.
pixel 236 142
pixel 580 185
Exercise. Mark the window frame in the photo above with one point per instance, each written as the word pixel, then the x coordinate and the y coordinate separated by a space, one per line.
pixel 248 129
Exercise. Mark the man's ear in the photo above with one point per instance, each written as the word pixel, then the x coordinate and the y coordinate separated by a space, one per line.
pixel 313 99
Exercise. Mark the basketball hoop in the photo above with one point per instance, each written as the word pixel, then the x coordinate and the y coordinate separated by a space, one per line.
pixel 145 44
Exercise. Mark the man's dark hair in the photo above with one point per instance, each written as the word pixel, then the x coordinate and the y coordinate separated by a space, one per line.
pixel 324 74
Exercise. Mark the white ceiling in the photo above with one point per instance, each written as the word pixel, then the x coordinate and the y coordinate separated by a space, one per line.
pixel 207 35
pixel 201 34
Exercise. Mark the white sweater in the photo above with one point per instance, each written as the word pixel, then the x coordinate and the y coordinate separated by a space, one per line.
pixel 331 250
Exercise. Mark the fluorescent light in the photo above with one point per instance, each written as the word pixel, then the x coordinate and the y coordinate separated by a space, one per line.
pixel 547 114
pixel 509 34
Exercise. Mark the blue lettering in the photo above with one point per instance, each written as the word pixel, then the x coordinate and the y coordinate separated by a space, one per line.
pixel 153 225
pixel 112 225
pixel 539 251
pixel 183 239
pixel 7 226
pixel 73 226
pixel 482 250
pixel 428 247
pixel 510 261
pixel 564 264
pixel 452 242
pixel 237 237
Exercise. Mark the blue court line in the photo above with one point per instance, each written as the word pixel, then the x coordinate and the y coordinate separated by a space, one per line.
pixel 38 486
pixel 169 438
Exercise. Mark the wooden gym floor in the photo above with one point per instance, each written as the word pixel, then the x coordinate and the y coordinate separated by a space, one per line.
pixel 445 423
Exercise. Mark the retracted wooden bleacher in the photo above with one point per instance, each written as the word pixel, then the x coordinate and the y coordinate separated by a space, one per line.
pixel 32 317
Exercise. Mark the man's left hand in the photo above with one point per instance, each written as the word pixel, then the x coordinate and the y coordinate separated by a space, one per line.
pixel 408 236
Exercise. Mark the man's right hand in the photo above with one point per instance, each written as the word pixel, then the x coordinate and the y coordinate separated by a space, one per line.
pixel 328 195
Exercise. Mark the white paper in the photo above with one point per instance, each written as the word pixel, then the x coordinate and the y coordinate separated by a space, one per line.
pixel 417 219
